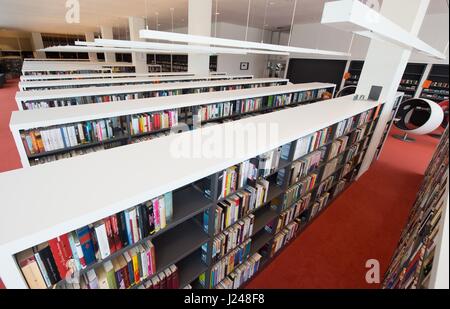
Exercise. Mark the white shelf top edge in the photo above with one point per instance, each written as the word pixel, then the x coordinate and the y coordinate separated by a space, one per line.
pixel 97 75
pixel 99 81
pixel 63 66
pixel 32 95
pixel 65 195
pixel 27 119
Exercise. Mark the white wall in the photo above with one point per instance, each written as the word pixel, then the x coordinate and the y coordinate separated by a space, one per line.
pixel 231 63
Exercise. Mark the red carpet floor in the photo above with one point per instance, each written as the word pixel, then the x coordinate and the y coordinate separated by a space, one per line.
pixel 364 223
pixel 9 157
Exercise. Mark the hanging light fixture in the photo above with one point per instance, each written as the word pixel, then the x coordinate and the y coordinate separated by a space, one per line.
pixel 206 40
pixel 354 16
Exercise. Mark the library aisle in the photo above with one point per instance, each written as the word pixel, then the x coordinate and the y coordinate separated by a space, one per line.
pixel 328 254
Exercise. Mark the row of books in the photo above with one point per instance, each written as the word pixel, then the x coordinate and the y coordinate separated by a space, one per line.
pixel 144 123
pixel 301 168
pixel 332 166
pixel 298 190
pixel 267 163
pixel 242 273
pixel 44 140
pixel 345 126
pixel 282 238
pixel 414 258
pixel 73 153
pixel 121 97
pixel 217 110
pixel 320 203
pixel 235 207
pixel 74 251
pixel 325 185
pixel 127 270
pixel 234 178
pixel 97 99
pixel 227 265
pixel 227 109
pixel 61 258
pixel 353 151
pixel 167 279
pixel 279 100
pixel 229 239
pixel 338 146
pixel 292 213
pixel 307 144
pixel 339 187
pixel 82 151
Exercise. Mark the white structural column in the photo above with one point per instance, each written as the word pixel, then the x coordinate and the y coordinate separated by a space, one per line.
pixel 385 63
pixel 107 33
pixel 36 39
pixel 199 23
pixel 139 59
pixel 90 37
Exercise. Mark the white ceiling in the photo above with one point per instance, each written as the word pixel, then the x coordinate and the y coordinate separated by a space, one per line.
pixel 49 15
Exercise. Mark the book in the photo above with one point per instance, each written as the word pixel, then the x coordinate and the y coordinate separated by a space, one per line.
pixel 102 240
pixel 86 244
pixel 30 269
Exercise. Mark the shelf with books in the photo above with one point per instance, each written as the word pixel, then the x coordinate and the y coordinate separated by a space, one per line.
pixel 104 80
pixel 37 99
pixel 354 72
pixel 76 77
pixel 436 88
pixel 390 122
pixel 416 263
pixel 71 67
pixel 411 79
pixel 84 209
pixel 187 203
pixel 116 117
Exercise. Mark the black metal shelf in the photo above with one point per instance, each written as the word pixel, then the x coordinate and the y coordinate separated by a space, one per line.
pixel 259 240
pixel 263 217
pixel 190 268
pixel 178 243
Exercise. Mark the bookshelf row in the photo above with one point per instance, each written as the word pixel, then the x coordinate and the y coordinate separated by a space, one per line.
pixel 167 231
pixel 438 80
pixel 180 241
pixel 414 263
pixel 390 122
pixel 112 80
pixel 74 67
pixel 47 135
pixel 37 99
pixel 76 77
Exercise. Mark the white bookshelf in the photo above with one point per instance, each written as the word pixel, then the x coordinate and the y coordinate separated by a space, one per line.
pixel 49 84
pixel 76 77
pixel 61 66
pixel 59 202
pixel 30 119
pixel 54 94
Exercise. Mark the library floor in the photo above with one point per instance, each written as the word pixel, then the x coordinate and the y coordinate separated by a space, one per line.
pixel 364 223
